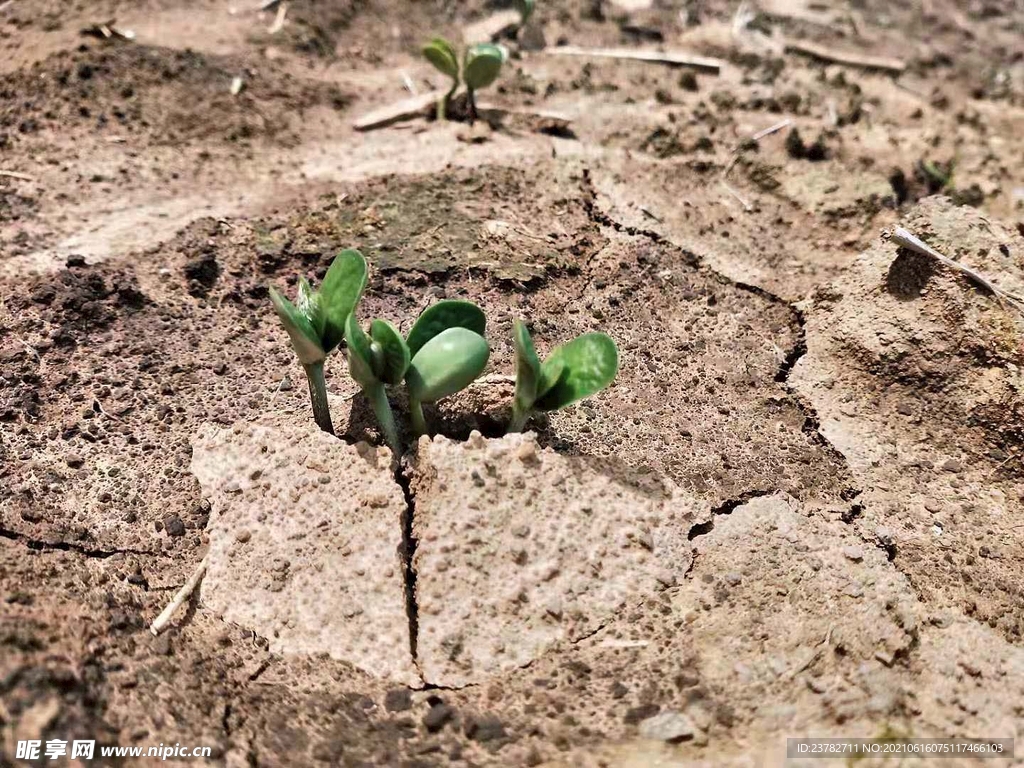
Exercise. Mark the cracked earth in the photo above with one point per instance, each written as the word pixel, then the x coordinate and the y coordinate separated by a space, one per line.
pixel 798 511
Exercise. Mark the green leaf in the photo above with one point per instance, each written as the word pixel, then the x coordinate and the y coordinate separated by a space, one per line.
pixel 450 313
pixel 339 295
pixel 589 364
pixel 525 8
pixel 394 353
pixel 309 305
pixel 483 63
pixel 550 373
pixel 527 367
pixel 305 340
pixel 441 54
pixel 360 358
pixel 446 364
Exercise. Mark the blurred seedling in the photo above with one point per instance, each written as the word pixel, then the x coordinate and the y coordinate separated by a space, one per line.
pixel 316 322
pixel 480 67
pixel 573 371
pixel 525 8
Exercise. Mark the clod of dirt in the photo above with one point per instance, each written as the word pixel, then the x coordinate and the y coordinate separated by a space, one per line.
pixel 304 541
pixel 915 374
pixel 798 149
pixel 165 95
pixel 519 548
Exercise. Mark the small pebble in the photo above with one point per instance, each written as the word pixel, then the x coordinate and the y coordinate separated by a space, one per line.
pixel 527 451
pixel 174 526
pixel 398 700
pixel 437 717
pixel 669 726
pixel 853 553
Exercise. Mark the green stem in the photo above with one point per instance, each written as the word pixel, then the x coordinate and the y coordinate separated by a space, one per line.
pixel 419 424
pixel 318 396
pixel 442 103
pixel 519 418
pixel 382 409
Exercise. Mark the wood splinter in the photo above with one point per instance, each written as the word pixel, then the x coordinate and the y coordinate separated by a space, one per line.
pixel 905 239
pixel 183 594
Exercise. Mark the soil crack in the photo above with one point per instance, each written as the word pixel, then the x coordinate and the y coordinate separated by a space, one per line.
pixel 725 508
pixel 41 545
pixel 812 424
pixel 408 551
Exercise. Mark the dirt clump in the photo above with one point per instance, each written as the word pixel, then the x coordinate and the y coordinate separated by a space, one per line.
pixel 164 96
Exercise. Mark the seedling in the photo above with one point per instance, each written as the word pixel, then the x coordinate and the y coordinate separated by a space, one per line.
pixel 441 54
pixel 481 66
pixel 525 8
pixel 448 352
pixel 316 325
pixel 374 361
pixel 444 352
pixel 575 370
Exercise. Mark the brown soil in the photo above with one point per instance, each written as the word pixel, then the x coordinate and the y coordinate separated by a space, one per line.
pixel 843 419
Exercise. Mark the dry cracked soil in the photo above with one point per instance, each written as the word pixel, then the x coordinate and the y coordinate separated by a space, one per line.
pixel 798 511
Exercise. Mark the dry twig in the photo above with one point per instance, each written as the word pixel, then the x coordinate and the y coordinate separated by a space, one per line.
pixel 673 58
pixel 845 57
pixel 278 23
pixel 16 175
pixel 410 86
pixel 905 239
pixel 492 27
pixel 736 156
pixel 413 106
pixel 183 594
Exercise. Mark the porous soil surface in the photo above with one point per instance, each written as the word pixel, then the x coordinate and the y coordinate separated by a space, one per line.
pixel 798 511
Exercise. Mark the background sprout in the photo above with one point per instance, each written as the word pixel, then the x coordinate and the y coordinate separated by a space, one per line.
pixel 482 65
pixel 317 325
pixel 525 8
pixel 431 367
pixel 443 366
pixel 375 360
pixel 572 371
pixel 442 55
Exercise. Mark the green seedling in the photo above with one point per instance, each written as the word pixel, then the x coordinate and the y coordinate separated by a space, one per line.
pixel 480 67
pixel 525 8
pixel 448 352
pixel 442 55
pixel 376 360
pixel 316 324
pixel 445 351
pixel 575 370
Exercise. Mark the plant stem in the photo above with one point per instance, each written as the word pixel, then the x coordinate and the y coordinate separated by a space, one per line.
pixel 382 410
pixel 519 418
pixel 442 103
pixel 471 102
pixel 318 396
pixel 419 424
